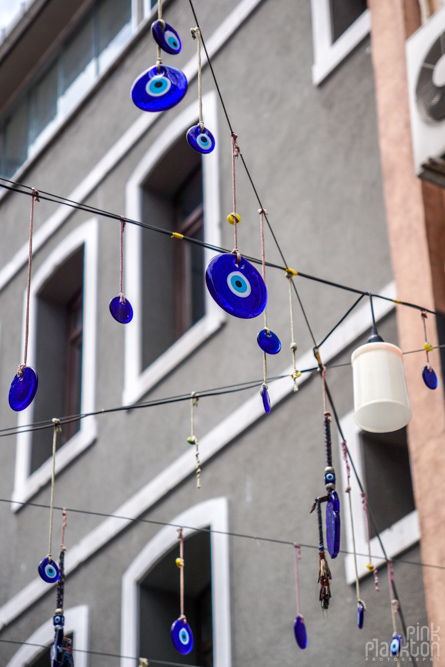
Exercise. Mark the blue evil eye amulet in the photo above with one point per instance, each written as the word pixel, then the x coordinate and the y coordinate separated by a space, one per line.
pixel 159 90
pixel 237 288
pixel 121 310
pixel 268 341
pixel 48 570
pixel 395 645
pixel 200 139
pixel 300 632
pixel 23 389
pixel 333 524
pixel 182 636
pixel 166 37
pixel 429 377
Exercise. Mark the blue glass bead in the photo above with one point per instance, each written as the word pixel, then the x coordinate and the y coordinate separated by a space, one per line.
pixel 333 524
pixel 166 37
pixel 48 570
pixel 396 644
pixel 182 636
pixel 266 400
pixel 268 341
pixel 201 141
pixel 23 389
pixel 59 620
pixel 121 311
pixel 237 288
pixel 329 478
pixel 300 632
pixel 429 377
pixel 360 615
pixel 157 91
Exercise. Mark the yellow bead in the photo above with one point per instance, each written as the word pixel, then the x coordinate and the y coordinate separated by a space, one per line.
pixel 428 347
pixel 231 218
pixel 370 567
pixel 180 562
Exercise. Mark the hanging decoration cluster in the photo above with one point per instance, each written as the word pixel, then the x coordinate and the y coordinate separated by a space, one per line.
pixel 62 648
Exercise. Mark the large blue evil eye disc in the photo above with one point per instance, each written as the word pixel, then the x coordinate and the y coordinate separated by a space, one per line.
pixel 300 632
pixel 429 377
pixel 166 37
pixel 23 389
pixel 48 570
pixel 157 91
pixel 201 140
pixel 268 341
pixel 333 524
pixel 396 644
pixel 182 636
pixel 237 288
pixel 121 310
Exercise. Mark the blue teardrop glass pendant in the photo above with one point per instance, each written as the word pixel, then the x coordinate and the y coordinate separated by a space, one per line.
pixel 333 524
pixel 121 310
pixel 268 341
pixel 360 615
pixel 429 377
pixel 237 288
pixel 157 91
pixel 48 570
pixel 182 636
pixel 201 141
pixel 300 632
pixel 396 644
pixel 166 37
pixel 266 399
pixel 23 389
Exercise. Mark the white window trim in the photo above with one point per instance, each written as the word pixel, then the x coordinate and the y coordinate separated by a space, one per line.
pixel 138 381
pixel 26 484
pixel 397 538
pixel 76 622
pixel 213 513
pixel 328 55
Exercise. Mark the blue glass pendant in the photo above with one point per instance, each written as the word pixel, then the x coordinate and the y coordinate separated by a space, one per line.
pixel 300 632
pixel 237 288
pixel 360 615
pixel 166 37
pixel 121 310
pixel 157 91
pixel 268 341
pixel 202 141
pixel 333 524
pixel 396 644
pixel 429 377
pixel 23 389
pixel 182 636
pixel 266 400
pixel 48 570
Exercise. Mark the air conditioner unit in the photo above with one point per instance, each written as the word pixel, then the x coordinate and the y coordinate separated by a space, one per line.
pixel 425 58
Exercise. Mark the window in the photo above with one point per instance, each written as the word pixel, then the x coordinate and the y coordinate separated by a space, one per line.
pixel 338 26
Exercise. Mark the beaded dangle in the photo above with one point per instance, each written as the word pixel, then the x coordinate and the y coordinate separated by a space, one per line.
pixel 25 383
pixel 324 573
pixel 120 307
pixel 161 87
pixel 395 645
pixel 47 568
pixel 192 439
pixel 299 626
pixel 290 273
pixel 369 564
pixel 181 633
pixel 198 136
pixel 233 282
pixel 62 649
pixel 428 374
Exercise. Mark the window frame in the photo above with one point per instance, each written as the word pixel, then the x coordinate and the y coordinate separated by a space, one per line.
pixel 138 381
pixel 26 484
pixel 402 535
pixel 327 54
pixel 213 513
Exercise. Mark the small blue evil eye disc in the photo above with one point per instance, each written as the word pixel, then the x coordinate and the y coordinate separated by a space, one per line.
pixel 429 377
pixel 268 341
pixel 202 141
pixel 333 524
pixel 166 37
pixel 182 636
pixel 266 399
pixel 300 632
pixel 157 91
pixel 48 570
pixel 237 288
pixel 23 389
pixel 121 310
pixel 58 619
pixel 396 644
pixel 360 615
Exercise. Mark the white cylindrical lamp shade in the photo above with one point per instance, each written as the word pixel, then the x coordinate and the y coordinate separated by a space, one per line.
pixel 381 402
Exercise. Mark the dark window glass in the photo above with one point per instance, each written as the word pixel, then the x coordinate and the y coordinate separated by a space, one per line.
pixel 77 54
pixel 343 15
pixel 43 103
pixel 112 16
pixel 16 141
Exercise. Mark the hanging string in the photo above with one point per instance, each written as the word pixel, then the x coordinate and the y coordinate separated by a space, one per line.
pixel 369 564
pixel 394 601
pixel 262 213
pixel 192 439
pixel 234 218
pixel 327 421
pixel 180 564
pixel 158 48
pixel 61 580
pixel 297 557
pixel 290 273
pixel 196 34
pixel 121 278
pixel 57 429
pixel 428 347
pixel 34 198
